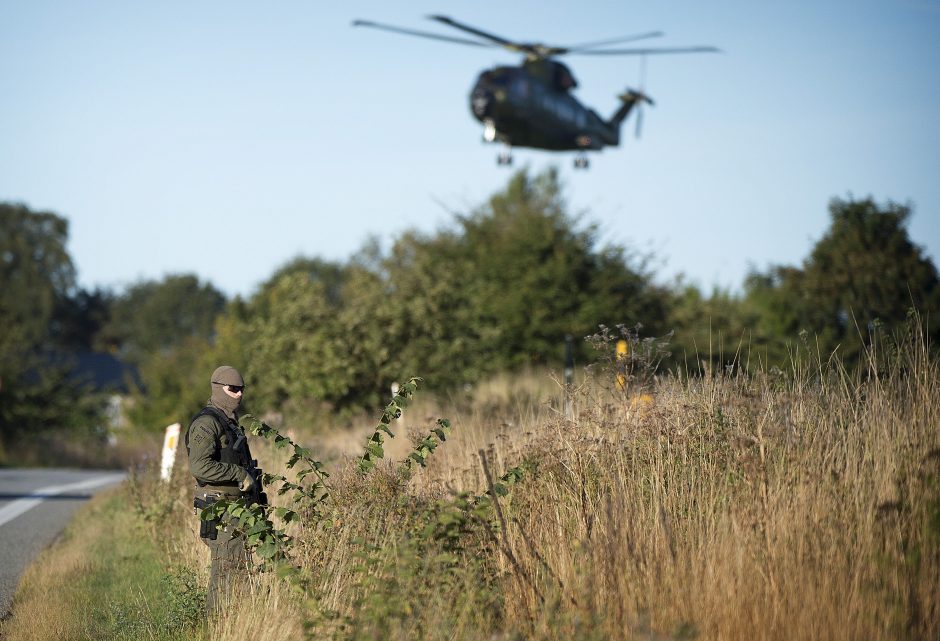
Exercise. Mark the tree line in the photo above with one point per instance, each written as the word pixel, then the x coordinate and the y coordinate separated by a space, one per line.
pixel 498 289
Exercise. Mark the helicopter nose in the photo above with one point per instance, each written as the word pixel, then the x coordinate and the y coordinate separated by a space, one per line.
pixel 481 100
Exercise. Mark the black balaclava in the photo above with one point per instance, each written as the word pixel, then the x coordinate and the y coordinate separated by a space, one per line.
pixel 222 376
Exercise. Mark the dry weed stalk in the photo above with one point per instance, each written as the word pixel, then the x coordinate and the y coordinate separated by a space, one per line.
pixel 733 506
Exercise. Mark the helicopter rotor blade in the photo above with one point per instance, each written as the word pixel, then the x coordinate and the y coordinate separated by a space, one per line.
pixel 652 51
pixel 421 34
pixel 603 43
pixel 450 22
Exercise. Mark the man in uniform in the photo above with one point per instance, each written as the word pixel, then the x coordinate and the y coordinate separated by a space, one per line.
pixel 221 462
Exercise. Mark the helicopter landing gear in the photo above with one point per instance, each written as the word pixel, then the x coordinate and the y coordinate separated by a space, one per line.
pixel 504 158
pixel 581 161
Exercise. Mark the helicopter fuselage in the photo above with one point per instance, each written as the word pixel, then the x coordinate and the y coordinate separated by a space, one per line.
pixel 531 106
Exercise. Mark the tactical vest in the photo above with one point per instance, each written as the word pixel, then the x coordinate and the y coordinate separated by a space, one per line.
pixel 235 451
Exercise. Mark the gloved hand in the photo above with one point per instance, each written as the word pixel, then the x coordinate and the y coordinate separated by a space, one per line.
pixel 246 484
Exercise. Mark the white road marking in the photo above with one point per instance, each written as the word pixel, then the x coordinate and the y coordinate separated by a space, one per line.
pixel 19 506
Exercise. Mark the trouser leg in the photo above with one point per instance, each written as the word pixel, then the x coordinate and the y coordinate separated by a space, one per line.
pixel 228 569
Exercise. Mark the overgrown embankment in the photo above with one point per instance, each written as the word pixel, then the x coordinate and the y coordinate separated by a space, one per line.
pixel 772 506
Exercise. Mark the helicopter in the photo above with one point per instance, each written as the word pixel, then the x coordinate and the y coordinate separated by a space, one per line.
pixel 531 105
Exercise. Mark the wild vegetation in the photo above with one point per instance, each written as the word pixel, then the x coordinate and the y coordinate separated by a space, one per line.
pixel 797 504
pixel 321 341
pixel 765 465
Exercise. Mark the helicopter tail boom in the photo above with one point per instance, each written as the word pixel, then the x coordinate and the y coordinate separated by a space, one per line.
pixel 629 99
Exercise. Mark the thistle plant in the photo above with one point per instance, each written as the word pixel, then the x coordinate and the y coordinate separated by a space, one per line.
pixel 635 368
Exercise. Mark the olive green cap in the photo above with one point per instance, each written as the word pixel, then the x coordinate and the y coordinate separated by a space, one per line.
pixel 227 375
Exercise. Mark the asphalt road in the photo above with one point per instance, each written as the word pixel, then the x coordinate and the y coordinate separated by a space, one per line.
pixel 35 505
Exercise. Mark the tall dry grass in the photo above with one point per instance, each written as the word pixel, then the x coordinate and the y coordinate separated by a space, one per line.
pixel 799 505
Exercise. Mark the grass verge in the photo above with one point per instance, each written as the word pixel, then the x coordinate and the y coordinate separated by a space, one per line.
pixel 104 579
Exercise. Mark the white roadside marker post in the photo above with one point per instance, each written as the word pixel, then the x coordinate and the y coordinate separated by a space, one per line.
pixel 170 439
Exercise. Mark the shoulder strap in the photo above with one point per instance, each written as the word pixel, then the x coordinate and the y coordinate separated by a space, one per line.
pixel 216 413
pixel 221 418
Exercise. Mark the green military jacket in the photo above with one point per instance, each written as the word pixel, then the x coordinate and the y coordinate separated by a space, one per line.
pixel 206 440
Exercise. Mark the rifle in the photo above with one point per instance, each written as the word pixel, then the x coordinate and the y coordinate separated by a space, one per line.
pixel 256 494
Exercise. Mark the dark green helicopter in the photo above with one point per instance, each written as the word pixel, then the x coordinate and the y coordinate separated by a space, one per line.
pixel 531 105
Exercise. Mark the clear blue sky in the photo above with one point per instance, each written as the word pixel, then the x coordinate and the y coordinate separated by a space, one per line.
pixel 177 135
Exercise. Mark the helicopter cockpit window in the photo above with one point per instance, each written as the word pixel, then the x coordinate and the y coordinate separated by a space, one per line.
pixel 564 80
pixel 500 77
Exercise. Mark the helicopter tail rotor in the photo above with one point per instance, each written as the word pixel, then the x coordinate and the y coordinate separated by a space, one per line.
pixel 641 97
pixel 631 99
pixel 637 98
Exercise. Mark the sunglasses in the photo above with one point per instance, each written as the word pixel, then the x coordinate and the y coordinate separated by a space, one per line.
pixel 235 389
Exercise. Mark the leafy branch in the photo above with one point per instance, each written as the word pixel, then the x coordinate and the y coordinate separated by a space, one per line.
pixel 267 541
pixel 374 444
pixel 311 495
pixel 426 446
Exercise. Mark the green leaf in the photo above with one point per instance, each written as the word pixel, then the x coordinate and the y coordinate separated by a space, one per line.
pixel 257 528
pixel 267 550
pixel 375 449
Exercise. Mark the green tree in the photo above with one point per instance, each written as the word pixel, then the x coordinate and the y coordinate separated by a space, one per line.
pixel 166 329
pixel 36 271
pixel 863 276
pixel 432 313
pixel 152 317
pixel 499 289
pixel 37 277
pixel 175 384
pixel 506 283
pixel 306 350
pixel 79 320
pixel 331 274
pixel 713 331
